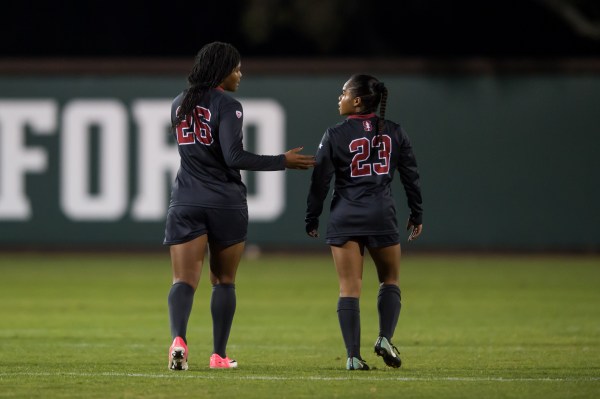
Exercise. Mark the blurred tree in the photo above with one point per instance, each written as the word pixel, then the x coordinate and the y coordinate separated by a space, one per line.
pixel 506 28
pixel 583 16
pixel 303 28
pixel 320 23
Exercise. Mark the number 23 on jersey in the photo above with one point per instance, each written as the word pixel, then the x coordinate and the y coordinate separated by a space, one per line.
pixel 362 147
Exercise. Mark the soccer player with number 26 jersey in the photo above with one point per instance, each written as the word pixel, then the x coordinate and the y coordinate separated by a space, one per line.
pixel 208 207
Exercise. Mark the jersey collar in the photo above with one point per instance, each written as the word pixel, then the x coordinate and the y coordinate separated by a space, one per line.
pixel 365 116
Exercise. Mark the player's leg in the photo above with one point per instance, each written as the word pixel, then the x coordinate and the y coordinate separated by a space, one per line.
pixel 187 260
pixel 348 259
pixel 186 263
pixel 387 262
pixel 226 247
pixel 224 262
pixel 185 232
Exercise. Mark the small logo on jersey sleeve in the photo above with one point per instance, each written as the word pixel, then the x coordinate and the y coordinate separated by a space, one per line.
pixel 368 126
pixel 238 114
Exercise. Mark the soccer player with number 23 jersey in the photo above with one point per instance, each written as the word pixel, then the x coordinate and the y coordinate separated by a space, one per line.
pixel 363 152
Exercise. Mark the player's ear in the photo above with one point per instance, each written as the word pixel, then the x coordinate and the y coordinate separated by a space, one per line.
pixel 357 101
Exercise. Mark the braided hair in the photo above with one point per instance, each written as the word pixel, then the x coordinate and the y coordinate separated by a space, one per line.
pixel 213 63
pixel 373 94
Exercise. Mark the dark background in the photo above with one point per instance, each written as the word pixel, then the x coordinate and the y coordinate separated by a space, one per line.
pixel 503 97
pixel 309 28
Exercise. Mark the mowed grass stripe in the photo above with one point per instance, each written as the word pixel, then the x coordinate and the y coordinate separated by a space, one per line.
pixel 229 375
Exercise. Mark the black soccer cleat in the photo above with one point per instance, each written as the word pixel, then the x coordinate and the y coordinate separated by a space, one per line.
pixel 355 363
pixel 388 351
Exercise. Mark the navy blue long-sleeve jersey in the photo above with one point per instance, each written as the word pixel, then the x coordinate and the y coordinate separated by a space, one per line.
pixel 212 154
pixel 364 165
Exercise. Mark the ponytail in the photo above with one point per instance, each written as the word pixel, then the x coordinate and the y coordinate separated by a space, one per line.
pixel 382 106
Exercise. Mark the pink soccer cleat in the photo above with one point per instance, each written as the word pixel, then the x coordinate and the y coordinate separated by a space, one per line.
pixel 178 355
pixel 217 362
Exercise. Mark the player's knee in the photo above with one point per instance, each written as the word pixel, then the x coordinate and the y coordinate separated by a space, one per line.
pixel 351 289
pixel 389 280
pixel 192 282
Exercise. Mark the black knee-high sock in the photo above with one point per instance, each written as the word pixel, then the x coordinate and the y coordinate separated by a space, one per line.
pixel 181 297
pixel 349 317
pixel 388 306
pixel 222 308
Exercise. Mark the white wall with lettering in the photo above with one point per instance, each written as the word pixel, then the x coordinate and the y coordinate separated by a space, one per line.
pixel 156 157
pixel 16 159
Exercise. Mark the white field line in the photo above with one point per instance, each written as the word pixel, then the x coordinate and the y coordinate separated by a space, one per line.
pixel 224 376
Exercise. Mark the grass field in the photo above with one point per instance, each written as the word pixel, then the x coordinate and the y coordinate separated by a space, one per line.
pixel 96 326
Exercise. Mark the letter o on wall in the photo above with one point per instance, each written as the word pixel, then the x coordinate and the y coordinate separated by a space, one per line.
pixel 109 202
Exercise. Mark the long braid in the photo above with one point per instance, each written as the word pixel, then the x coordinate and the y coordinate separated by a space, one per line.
pixel 382 108
pixel 213 63
pixel 382 90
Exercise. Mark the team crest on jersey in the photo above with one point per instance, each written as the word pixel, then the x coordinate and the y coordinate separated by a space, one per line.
pixel 368 126
pixel 238 114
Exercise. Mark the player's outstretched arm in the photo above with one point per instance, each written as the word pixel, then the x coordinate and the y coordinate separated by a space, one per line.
pixel 294 160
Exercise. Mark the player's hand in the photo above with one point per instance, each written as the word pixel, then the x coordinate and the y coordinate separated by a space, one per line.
pixel 312 227
pixel 294 160
pixel 415 230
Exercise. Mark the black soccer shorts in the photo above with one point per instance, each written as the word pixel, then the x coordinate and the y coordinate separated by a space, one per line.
pixel 369 241
pixel 223 226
